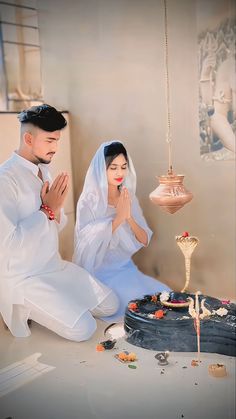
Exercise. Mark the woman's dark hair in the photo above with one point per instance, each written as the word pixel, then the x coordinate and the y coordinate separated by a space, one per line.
pixel 112 151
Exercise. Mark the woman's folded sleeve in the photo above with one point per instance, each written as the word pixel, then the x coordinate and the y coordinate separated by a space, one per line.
pixel 92 239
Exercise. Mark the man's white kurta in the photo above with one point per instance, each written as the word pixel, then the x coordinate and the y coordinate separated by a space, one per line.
pixel 31 266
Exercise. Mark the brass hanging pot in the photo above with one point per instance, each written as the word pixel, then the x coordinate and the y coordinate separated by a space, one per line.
pixel 171 194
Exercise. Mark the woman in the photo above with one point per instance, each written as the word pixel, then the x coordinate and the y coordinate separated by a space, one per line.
pixel 110 226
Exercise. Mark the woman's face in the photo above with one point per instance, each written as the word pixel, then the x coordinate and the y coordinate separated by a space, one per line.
pixel 117 171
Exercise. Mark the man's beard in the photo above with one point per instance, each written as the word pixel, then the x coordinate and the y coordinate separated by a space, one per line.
pixel 41 160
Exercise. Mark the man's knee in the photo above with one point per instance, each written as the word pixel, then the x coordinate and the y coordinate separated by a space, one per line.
pixel 113 304
pixel 83 329
pixel 108 306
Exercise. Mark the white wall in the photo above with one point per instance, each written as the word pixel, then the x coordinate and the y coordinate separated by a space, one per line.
pixel 103 60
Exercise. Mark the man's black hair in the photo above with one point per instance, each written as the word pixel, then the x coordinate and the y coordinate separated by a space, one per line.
pixel 43 116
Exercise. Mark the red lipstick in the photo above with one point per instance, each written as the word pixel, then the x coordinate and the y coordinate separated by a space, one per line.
pixel 119 179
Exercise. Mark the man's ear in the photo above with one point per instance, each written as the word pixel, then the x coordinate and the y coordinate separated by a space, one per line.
pixel 27 137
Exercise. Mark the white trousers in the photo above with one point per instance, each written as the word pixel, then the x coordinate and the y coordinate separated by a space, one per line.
pixel 83 328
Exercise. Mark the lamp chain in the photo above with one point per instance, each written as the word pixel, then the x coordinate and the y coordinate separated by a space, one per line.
pixel 168 135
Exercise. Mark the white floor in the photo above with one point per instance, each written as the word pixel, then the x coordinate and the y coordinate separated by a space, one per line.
pixel 86 384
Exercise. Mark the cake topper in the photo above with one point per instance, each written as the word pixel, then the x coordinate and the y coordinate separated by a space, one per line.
pixel 187 245
pixel 195 314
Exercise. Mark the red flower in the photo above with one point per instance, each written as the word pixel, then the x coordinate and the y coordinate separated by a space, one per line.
pixel 133 306
pixel 159 314
pixel 100 348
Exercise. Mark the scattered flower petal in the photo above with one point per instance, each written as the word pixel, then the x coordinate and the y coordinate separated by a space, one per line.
pixel 100 348
pixel 126 356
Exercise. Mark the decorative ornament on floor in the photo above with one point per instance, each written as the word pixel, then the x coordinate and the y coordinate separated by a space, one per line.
pixel 217 370
pixel 162 358
pixel 107 344
pixel 170 195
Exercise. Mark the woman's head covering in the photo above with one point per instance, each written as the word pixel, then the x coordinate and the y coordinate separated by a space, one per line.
pixel 95 190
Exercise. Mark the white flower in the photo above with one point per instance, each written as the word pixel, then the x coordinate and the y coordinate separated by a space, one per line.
pixel 220 312
pixel 165 295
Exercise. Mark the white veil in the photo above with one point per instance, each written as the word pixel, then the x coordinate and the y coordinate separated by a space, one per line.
pixel 95 190
pixel 94 238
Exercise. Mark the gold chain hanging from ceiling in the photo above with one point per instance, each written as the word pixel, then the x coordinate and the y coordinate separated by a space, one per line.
pixel 170 195
pixel 168 134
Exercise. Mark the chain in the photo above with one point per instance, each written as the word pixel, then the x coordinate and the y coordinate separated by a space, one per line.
pixel 168 135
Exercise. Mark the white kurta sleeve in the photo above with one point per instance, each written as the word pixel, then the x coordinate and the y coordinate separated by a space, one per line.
pixel 24 242
pixel 63 221
pixel 92 238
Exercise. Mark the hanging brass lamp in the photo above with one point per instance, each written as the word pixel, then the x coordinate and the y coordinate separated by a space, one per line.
pixel 170 195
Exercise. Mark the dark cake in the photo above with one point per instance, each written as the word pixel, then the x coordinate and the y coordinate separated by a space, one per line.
pixel 152 325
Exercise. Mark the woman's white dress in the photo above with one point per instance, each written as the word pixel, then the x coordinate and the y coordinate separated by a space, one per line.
pixel 105 255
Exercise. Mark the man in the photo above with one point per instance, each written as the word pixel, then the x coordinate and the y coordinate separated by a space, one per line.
pixel 35 283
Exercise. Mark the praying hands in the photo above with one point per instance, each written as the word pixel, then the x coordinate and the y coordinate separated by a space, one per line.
pixel 123 214
pixel 123 208
pixel 54 196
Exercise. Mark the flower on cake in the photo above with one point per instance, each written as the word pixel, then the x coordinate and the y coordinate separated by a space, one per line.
pixel 159 314
pixel 133 306
pixel 154 298
pixel 220 312
pixel 165 295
